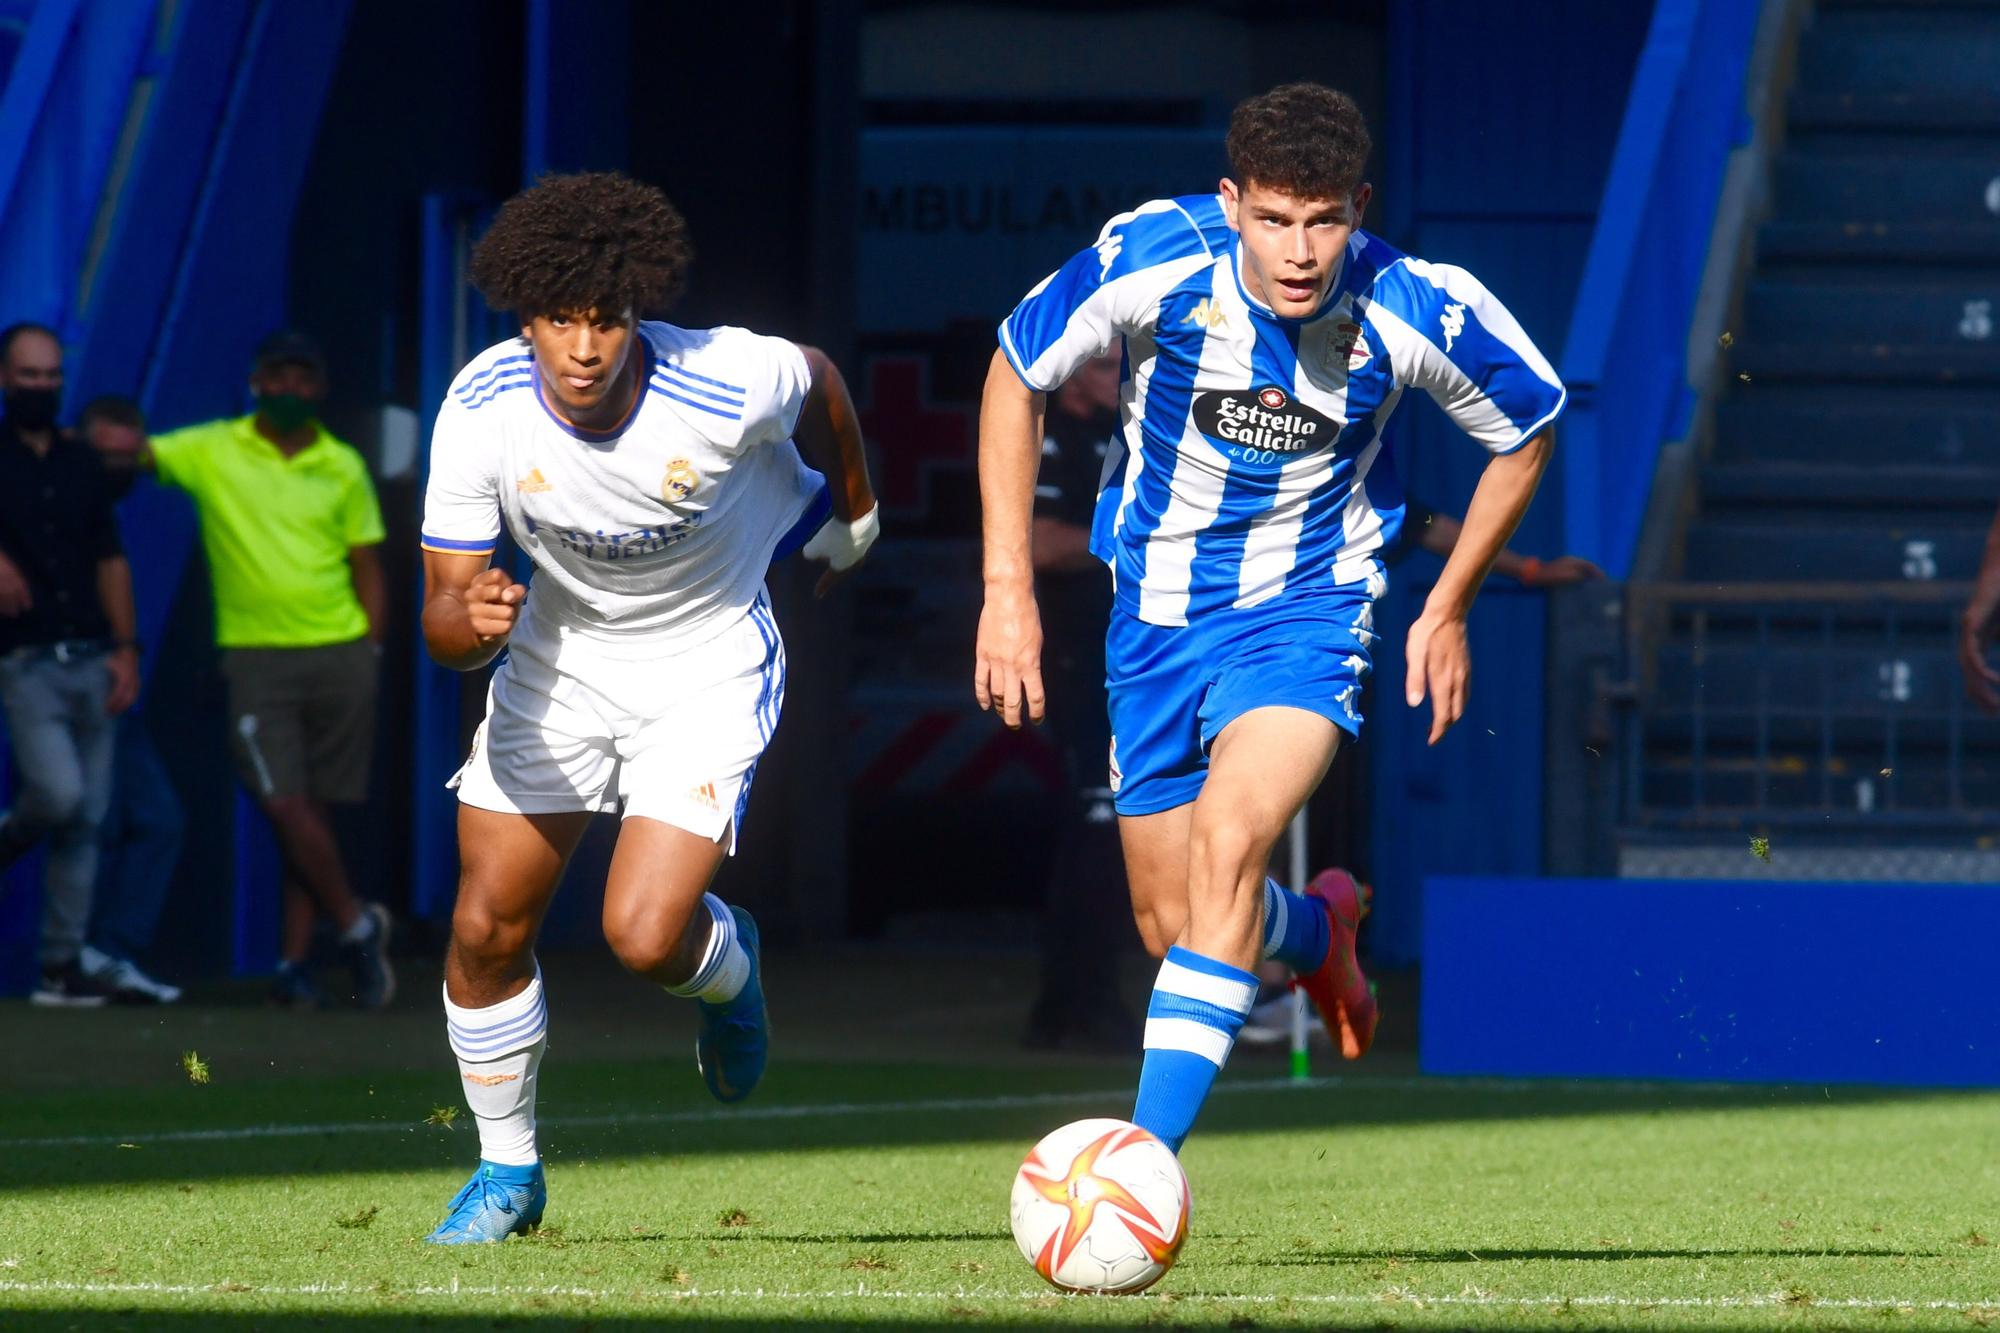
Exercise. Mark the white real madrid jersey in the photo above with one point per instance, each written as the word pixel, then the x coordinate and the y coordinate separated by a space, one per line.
pixel 1253 459
pixel 653 535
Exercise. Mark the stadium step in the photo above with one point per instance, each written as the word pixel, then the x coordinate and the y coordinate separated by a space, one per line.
pixel 1944 314
pixel 1808 484
pixel 1879 241
pixel 1890 182
pixel 1858 426
pixel 1881 50
pixel 1748 550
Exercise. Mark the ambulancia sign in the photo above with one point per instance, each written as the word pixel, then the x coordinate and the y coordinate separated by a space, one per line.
pixel 958 223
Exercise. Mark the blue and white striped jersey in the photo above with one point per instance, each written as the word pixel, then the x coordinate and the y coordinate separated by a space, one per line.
pixel 1252 454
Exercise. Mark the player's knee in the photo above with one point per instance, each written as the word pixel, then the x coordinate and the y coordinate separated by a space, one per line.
pixel 645 939
pixel 485 937
pixel 643 949
pixel 1156 933
pixel 1223 852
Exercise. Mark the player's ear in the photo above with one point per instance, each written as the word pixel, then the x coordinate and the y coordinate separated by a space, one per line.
pixel 1231 197
pixel 1362 194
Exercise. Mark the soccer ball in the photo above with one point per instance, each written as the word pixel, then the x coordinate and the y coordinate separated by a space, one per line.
pixel 1101 1206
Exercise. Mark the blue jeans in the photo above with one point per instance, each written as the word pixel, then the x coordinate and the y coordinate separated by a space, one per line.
pixel 138 846
pixel 62 741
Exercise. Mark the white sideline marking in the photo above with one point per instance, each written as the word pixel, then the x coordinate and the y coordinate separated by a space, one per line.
pixel 865 1293
pixel 815 1110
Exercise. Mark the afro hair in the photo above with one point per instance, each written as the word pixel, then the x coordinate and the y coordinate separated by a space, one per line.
pixel 594 241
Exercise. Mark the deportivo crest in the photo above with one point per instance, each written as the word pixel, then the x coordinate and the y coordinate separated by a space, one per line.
pixel 1262 418
pixel 1348 346
pixel 680 481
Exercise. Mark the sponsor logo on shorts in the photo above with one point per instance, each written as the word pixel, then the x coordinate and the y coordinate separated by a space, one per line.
pixel 1117 775
pixel 680 481
pixel 534 483
pixel 704 794
pixel 1262 418
pixel 492 1080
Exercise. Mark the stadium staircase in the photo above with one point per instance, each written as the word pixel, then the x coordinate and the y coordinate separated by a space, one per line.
pixel 1794 671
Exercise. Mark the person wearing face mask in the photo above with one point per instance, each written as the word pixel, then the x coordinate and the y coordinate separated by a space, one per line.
pixel 68 658
pixel 291 527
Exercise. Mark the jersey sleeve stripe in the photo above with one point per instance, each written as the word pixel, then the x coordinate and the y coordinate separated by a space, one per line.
pixel 453 546
pixel 503 366
pixel 662 388
pixel 677 378
pixel 520 380
pixel 719 384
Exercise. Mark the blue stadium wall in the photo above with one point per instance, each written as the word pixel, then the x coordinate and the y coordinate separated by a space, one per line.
pixel 1501 120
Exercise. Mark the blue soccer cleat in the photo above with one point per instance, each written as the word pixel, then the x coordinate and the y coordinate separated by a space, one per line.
pixel 498 1202
pixel 736 1035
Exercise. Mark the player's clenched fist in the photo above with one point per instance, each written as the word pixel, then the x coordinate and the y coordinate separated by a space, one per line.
pixel 492 601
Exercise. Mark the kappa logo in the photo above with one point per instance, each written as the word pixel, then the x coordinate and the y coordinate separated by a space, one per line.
pixel 1453 320
pixel 1116 775
pixel 492 1080
pixel 534 483
pixel 1207 314
pixel 680 481
pixel 1109 253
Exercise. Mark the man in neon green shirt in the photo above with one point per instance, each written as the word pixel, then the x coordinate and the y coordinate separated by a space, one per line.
pixel 290 526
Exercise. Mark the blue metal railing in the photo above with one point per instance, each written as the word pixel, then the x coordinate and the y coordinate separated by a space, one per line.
pixel 1836 707
pixel 1626 358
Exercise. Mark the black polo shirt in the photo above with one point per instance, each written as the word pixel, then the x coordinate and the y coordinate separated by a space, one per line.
pixel 56 523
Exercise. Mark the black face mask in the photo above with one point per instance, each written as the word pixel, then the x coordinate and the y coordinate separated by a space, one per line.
pixel 32 409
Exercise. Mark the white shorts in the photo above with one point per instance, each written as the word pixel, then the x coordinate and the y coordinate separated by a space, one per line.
pixel 673 737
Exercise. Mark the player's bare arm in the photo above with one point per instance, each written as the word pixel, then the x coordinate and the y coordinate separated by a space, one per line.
pixel 1439 660
pixel 829 439
pixel 469 609
pixel 1977 626
pixel 1007 671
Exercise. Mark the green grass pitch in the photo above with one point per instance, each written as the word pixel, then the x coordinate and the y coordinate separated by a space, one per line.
pixel 865 1186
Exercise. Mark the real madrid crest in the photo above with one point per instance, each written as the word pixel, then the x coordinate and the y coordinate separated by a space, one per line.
pixel 680 481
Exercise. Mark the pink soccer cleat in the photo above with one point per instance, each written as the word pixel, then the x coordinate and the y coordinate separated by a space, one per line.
pixel 1345 1000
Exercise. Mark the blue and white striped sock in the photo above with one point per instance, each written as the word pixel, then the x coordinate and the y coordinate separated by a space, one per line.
pixel 724 965
pixel 1198 1007
pixel 499 1050
pixel 1295 928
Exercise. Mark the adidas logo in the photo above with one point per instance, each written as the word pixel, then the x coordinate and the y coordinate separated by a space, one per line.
pixel 1207 314
pixel 705 795
pixel 534 483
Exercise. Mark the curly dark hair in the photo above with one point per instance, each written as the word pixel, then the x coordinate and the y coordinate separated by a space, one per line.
pixel 596 240
pixel 1303 139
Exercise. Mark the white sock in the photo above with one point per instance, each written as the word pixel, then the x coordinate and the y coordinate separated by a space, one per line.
pixel 499 1050
pixel 361 928
pixel 724 965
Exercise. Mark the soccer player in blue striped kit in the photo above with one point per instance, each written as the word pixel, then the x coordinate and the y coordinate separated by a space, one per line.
pixel 1267 339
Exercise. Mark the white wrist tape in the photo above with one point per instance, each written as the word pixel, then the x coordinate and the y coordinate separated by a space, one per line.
pixel 841 543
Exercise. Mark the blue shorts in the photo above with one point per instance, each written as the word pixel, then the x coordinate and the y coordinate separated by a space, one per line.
pixel 1174 688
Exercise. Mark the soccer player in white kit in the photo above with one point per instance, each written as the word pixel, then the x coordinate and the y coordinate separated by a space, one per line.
pixel 650 473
